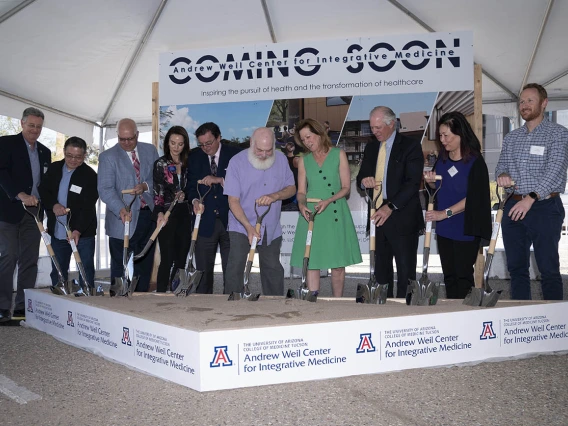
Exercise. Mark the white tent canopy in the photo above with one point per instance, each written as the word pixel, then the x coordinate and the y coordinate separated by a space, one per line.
pixel 92 62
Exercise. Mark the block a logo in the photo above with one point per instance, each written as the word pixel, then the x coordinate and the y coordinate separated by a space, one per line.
pixel 30 305
pixel 126 336
pixel 365 343
pixel 487 332
pixel 70 322
pixel 221 357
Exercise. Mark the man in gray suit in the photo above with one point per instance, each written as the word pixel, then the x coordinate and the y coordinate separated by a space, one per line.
pixel 128 165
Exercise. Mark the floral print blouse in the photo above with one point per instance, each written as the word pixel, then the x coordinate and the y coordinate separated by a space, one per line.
pixel 167 183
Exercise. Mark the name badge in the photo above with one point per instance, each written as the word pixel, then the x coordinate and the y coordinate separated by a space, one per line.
pixel 452 171
pixel 537 150
pixel 76 189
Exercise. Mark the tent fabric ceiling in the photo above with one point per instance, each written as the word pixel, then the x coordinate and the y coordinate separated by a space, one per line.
pixel 73 55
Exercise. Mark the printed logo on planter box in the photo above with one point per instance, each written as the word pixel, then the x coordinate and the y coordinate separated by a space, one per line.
pixel 365 343
pixel 126 336
pixel 70 322
pixel 221 357
pixel 30 305
pixel 487 332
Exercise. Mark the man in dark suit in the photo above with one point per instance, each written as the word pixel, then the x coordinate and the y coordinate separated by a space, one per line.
pixel 399 220
pixel 128 165
pixel 70 183
pixel 23 163
pixel 208 165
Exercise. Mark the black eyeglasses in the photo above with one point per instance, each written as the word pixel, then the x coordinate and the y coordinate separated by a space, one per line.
pixel 127 139
pixel 74 157
pixel 206 144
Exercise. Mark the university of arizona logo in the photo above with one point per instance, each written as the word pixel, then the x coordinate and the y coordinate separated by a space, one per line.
pixel 221 357
pixel 70 322
pixel 488 332
pixel 126 336
pixel 365 344
pixel 30 305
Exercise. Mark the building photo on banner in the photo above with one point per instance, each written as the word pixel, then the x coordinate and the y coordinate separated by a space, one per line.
pixel 336 83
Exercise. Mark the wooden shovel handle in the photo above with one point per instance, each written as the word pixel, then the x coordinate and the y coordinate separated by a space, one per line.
pixel 253 249
pixel 128 191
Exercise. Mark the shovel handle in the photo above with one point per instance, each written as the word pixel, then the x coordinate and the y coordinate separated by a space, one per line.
pixel 48 246
pixel 159 228
pixel 495 233
pixel 128 191
pixel 196 227
pixel 428 234
pixel 372 230
pixel 73 246
pixel 253 246
pixel 313 200
pixel 309 238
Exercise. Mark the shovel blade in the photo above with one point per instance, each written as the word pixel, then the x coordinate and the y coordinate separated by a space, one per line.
pixel 187 282
pixel 132 286
pixel 474 297
pixel 97 291
pixel 379 294
pixel 59 289
pixel 119 288
pixel 419 293
pixel 363 294
pixel 490 299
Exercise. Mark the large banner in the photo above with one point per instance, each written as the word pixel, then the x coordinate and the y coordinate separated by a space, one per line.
pixel 360 66
pixel 338 82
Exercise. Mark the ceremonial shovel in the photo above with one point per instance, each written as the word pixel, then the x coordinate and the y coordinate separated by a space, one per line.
pixel 126 285
pixel 87 288
pixel 424 292
pixel 186 280
pixel 486 296
pixel 372 292
pixel 303 292
pixel 158 229
pixel 246 294
pixel 62 288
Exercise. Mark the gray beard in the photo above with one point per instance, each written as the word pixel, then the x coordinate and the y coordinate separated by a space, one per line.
pixel 260 164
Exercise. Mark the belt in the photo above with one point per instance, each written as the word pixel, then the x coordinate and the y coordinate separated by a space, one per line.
pixel 145 208
pixel 519 197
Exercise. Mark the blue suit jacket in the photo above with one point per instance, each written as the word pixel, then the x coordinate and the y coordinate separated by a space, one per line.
pixel 197 168
pixel 116 173
pixel 16 174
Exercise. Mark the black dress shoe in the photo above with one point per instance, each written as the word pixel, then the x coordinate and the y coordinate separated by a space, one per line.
pixel 19 314
pixel 5 315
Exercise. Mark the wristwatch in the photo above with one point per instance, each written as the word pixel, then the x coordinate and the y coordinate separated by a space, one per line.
pixel 391 206
pixel 449 213
pixel 533 195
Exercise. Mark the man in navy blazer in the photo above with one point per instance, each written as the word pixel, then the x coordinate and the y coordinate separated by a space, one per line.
pixel 399 220
pixel 117 171
pixel 23 163
pixel 208 165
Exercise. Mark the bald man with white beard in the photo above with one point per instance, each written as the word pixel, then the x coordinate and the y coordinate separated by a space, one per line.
pixel 258 175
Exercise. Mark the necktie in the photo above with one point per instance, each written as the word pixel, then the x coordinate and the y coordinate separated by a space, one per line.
pixel 136 165
pixel 380 171
pixel 213 166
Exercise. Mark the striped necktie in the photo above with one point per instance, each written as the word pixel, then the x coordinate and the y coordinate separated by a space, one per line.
pixel 213 166
pixel 136 165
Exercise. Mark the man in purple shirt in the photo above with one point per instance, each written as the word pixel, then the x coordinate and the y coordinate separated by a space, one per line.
pixel 258 175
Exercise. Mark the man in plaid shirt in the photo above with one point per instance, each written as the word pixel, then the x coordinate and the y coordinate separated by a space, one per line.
pixel 535 157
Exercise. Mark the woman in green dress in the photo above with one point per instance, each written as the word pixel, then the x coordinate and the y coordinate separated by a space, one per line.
pixel 324 174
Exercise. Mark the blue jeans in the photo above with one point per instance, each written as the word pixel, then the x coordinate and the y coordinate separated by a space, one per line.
pixel 542 227
pixel 63 253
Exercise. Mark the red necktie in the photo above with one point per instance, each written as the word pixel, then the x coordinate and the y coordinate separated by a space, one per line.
pixel 136 165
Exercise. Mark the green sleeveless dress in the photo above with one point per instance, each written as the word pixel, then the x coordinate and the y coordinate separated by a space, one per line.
pixel 334 240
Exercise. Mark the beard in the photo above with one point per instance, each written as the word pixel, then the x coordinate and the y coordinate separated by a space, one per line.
pixel 259 164
pixel 531 114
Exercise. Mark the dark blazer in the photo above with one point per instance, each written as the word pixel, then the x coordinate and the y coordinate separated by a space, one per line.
pixel 198 167
pixel 404 175
pixel 16 174
pixel 83 205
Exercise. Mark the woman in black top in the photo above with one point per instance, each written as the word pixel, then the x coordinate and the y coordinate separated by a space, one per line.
pixel 170 177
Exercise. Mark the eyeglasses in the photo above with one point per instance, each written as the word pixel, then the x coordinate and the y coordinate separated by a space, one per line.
pixel 133 138
pixel 74 157
pixel 206 144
